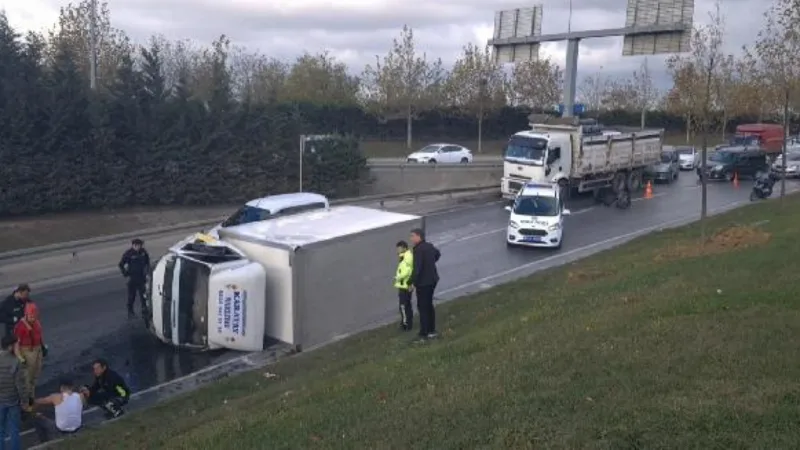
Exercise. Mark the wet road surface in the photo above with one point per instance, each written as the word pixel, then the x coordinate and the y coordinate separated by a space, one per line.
pixel 85 320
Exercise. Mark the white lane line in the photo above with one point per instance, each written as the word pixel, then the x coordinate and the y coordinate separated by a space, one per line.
pixel 620 237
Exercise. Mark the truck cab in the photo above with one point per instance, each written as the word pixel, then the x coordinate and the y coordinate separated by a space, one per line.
pixel 536 156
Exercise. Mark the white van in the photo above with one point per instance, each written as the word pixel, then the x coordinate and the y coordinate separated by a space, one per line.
pixel 537 217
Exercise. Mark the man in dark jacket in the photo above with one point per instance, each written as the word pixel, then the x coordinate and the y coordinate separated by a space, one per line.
pixel 424 279
pixel 13 307
pixel 135 266
pixel 109 390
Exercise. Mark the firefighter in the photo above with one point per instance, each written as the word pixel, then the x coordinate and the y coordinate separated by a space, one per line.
pixel 30 348
pixel 402 280
pixel 135 266
pixel 13 307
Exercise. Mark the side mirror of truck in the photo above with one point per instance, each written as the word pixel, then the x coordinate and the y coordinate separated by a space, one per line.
pixel 508 208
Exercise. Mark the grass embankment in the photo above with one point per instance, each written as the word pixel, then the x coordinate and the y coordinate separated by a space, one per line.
pixel 397 149
pixel 662 343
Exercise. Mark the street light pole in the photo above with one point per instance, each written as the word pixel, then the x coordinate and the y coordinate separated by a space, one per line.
pixel 569 21
pixel 302 153
pixel 93 44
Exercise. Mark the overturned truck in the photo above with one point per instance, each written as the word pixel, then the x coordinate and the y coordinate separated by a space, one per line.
pixel 305 280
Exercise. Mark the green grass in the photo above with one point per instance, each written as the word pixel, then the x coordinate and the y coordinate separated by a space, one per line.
pixel 397 149
pixel 630 348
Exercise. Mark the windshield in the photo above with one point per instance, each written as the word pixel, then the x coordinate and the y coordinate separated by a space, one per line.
pixel 666 157
pixel 429 149
pixel 246 214
pixel 526 150
pixel 721 157
pixel 535 205
pixel 685 151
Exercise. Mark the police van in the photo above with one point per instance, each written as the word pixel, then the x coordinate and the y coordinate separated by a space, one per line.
pixel 537 217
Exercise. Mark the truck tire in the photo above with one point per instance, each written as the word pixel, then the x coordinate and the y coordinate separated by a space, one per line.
pixel 563 187
pixel 635 180
pixel 618 182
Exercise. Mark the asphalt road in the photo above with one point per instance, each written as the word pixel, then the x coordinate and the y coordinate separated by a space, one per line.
pixel 87 319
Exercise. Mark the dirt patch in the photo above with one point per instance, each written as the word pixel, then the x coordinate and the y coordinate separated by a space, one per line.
pixel 724 241
pixel 49 229
pixel 588 274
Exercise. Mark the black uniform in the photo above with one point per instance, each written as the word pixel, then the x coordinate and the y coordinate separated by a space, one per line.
pixel 110 393
pixel 135 264
pixel 12 310
pixel 424 278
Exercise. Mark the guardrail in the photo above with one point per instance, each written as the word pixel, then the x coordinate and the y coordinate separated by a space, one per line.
pixel 193 225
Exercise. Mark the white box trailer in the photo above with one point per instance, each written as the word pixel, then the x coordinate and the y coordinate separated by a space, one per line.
pixel 577 156
pixel 305 279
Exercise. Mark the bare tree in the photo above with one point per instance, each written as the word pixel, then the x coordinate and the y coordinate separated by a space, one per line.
pixel 476 85
pixel 620 95
pixel 727 91
pixel 403 83
pixel 698 69
pixel 320 79
pixel 777 48
pixel 591 91
pixel 646 94
pixel 537 83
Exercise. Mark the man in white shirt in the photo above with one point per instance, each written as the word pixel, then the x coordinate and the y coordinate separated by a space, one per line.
pixel 68 406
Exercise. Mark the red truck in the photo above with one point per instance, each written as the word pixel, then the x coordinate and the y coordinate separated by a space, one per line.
pixel 767 136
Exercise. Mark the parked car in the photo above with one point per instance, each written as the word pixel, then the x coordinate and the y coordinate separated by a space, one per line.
pixel 728 162
pixel 688 157
pixel 441 154
pixel 667 169
pixel 792 169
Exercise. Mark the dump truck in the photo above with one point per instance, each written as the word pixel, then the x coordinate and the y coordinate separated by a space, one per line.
pixel 578 156
pixel 303 280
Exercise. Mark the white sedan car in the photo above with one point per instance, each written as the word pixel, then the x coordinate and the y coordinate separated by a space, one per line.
pixel 441 154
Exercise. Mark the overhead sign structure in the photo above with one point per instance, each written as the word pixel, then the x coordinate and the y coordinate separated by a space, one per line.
pixel 515 24
pixel 657 13
pixel 651 27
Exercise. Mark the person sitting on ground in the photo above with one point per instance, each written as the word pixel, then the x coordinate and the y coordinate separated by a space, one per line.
pixel 68 406
pixel 109 391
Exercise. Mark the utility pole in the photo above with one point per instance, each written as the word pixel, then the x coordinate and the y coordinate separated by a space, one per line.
pixel 93 44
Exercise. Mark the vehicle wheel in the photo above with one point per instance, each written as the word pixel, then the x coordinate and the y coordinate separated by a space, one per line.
pixel 432 161
pixel 635 181
pixel 729 176
pixel 618 183
pixel 563 187
pixel 677 174
pixel 464 160
pixel 753 196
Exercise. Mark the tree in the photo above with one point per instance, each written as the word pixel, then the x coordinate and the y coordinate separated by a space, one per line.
pixel 403 83
pixel 591 91
pixel 727 91
pixel 620 95
pixel 681 99
pixel 320 79
pixel 476 85
pixel 646 94
pixel 695 72
pixel 777 48
pixel 537 83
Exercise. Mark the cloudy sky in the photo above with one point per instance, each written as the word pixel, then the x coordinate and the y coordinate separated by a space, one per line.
pixel 357 30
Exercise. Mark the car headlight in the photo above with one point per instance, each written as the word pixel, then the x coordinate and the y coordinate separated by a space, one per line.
pixel 554 227
pixel 513 224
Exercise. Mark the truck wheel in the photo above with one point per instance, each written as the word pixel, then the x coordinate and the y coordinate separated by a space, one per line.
pixel 635 180
pixel 618 183
pixel 563 187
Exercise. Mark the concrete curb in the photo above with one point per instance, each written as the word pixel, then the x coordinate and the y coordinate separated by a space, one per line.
pixel 200 224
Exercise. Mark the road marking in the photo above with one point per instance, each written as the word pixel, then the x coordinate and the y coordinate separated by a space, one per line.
pixel 632 234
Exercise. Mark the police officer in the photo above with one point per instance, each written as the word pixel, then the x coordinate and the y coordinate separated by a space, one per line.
pixel 402 279
pixel 12 309
pixel 135 266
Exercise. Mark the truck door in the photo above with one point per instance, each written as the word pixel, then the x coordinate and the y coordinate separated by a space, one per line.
pixel 558 158
pixel 237 306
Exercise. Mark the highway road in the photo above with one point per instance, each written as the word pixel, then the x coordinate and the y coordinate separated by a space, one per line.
pixel 86 319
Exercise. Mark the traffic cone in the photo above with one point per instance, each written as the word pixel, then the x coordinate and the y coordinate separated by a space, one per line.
pixel 736 179
pixel 648 191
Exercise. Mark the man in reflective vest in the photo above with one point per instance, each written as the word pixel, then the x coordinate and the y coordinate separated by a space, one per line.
pixel 402 281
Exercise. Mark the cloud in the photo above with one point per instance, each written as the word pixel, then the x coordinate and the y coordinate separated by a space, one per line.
pixel 357 30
